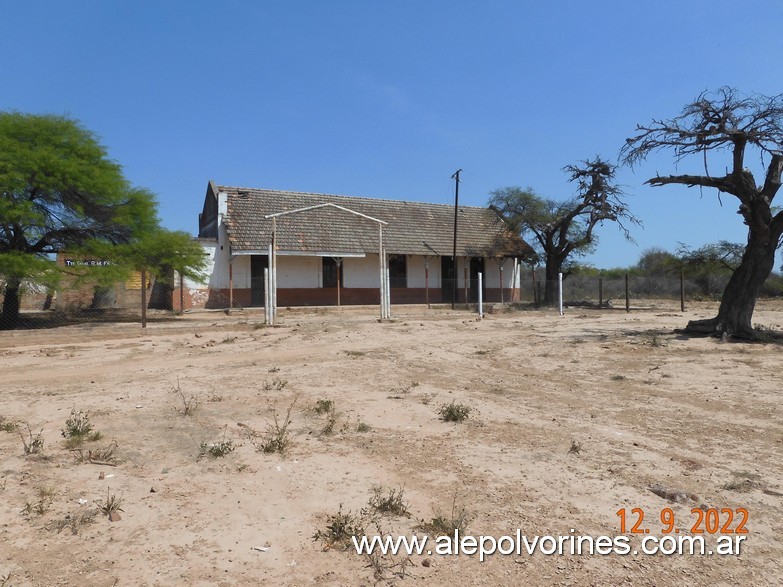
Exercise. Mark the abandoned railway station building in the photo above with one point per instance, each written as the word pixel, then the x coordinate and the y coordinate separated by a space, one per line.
pixel 327 250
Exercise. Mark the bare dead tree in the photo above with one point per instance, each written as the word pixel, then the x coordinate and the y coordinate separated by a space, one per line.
pixel 731 122
pixel 560 229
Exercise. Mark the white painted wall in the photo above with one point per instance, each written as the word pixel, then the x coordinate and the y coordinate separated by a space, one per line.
pixel 416 274
pixel 209 249
pixel 297 271
pixel 492 277
pixel 241 272
pixel 219 277
pixel 361 271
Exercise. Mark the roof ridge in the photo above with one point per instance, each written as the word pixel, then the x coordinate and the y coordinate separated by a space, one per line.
pixel 325 195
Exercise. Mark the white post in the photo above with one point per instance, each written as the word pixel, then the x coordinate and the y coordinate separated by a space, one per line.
pixel 273 278
pixel 268 286
pixel 381 287
pixel 480 296
pixel 388 292
pixel 267 297
pixel 560 291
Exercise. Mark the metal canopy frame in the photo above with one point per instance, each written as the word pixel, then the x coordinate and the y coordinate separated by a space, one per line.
pixel 383 269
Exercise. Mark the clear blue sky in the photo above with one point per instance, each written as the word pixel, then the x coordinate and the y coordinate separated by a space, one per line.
pixel 388 99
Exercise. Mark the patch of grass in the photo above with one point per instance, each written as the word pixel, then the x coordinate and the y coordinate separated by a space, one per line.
pixel 74 522
pixel 8 425
pixel 426 398
pixel 189 404
pixel 340 527
pixel 454 412
pixel 575 448
pixel 389 501
pixel 322 406
pixel 618 378
pixel 385 568
pixel 742 485
pixel 363 427
pixel 274 385
pixel 78 429
pixel 355 354
pixel 653 339
pixel 273 369
pixel 111 504
pixel 45 497
pixel 217 449
pixel 34 443
pixel 4 580
pixel 97 456
pixel 445 525
pixel 229 339
pixel 277 438
pixel 406 388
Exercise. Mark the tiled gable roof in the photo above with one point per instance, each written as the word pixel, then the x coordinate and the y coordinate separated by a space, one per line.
pixel 414 228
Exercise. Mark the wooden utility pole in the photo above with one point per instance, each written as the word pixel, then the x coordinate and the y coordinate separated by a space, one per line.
pixel 144 298
pixel 682 289
pixel 455 177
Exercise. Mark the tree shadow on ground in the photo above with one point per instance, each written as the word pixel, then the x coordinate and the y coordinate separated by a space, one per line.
pixel 763 336
pixel 54 319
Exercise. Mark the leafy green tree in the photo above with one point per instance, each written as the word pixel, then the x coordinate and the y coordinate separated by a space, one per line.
pixel 59 191
pixel 728 122
pixel 656 262
pixel 559 230
pixel 710 264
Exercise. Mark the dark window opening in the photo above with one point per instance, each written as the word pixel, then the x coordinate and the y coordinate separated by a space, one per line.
pixel 476 267
pixel 448 276
pixel 330 272
pixel 398 271
pixel 257 265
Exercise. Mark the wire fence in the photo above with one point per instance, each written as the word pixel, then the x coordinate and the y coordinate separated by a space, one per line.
pixel 130 302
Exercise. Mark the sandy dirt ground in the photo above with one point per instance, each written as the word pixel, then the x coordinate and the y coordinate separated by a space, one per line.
pixel 571 419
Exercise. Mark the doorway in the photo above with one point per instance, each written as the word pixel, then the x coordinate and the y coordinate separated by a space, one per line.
pixel 447 278
pixel 476 267
pixel 257 265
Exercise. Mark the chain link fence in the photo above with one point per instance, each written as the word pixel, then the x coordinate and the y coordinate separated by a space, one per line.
pixel 160 300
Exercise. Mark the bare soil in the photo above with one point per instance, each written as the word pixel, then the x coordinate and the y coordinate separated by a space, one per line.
pixel 572 418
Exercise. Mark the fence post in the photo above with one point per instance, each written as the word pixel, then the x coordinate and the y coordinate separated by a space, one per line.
pixel 388 293
pixel 533 273
pixel 682 289
pixel 465 279
pixel 600 292
pixel 627 298
pixel 427 281
pixel 230 284
pixel 144 298
pixel 480 297
pixel 560 292
pixel 267 298
pixel 181 293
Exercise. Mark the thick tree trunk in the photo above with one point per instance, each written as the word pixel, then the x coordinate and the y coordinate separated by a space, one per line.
pixel 10 315
pixel 739 297
pixel 552 270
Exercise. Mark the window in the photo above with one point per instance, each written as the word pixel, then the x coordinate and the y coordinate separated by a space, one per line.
pixel 398 271
pixel 330 272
